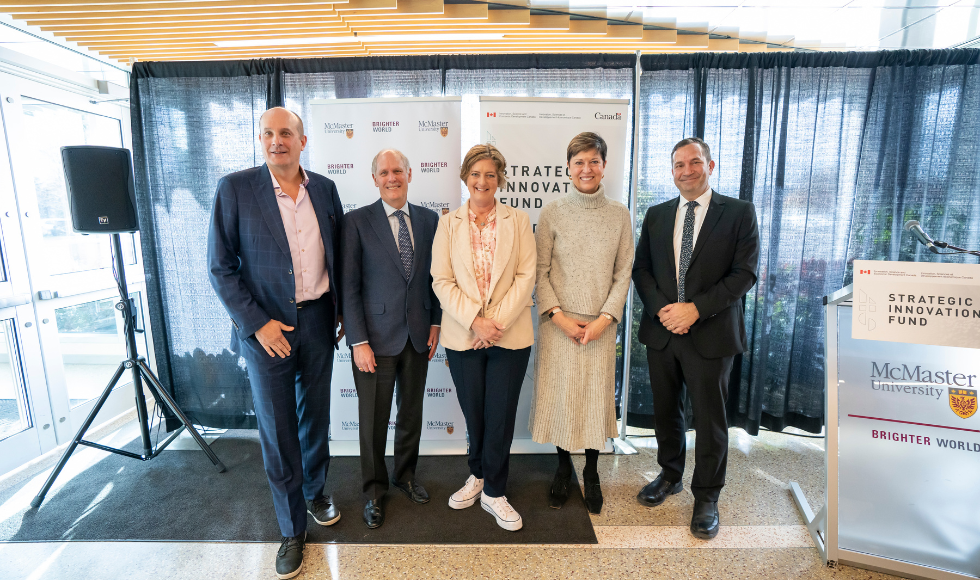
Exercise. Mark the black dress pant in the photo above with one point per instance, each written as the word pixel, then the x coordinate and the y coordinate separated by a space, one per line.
pixel 488 384
pixel 707 382
pixel 374 394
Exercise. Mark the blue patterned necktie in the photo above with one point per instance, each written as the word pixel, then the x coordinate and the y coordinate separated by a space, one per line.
pixel 687 248
pixel 405 243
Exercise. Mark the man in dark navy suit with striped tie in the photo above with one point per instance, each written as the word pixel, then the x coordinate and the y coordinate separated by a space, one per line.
pixel 273 255
pixel 392 318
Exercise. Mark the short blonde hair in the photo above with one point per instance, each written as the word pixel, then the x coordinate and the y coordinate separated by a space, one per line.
pixel 478 153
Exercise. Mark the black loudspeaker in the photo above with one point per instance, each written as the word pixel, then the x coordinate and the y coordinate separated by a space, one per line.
pixel 101 192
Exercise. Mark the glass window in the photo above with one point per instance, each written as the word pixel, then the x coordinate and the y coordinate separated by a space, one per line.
pixel 92 339
pixel 15 413
pixel 50 127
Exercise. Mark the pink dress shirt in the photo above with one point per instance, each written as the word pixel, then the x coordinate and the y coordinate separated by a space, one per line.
pixel 305 243
pixel 484 245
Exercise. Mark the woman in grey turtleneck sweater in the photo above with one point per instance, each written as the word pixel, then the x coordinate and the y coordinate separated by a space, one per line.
pixel 585 257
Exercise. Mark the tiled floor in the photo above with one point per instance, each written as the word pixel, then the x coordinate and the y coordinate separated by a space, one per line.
pixel 762 535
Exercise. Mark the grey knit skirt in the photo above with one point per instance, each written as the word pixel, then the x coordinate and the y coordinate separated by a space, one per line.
pixel 574 404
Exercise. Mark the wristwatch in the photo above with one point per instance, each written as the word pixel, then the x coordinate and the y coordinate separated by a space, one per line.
pixel 554 312
pixel 608 316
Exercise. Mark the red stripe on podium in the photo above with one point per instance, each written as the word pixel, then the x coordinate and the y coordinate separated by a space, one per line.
pixel 914 423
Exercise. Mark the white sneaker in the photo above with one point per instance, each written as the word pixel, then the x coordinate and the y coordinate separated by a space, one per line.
pixel 507 518
pixel 467 495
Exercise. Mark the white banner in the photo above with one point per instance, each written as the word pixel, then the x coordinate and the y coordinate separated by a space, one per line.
pixel 917 302
pixel 533 135
pixel 909 446
pixel 345 136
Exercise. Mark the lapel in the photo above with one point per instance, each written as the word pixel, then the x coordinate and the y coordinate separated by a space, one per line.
pixel 418 236
pixel 382 228
pixel 505 244
pixel 461 237
pixel 715 209
pixel 667 234
pixel 265 196
pixel 324 217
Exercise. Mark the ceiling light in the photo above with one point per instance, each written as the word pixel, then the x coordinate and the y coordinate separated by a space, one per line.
pixel 303 40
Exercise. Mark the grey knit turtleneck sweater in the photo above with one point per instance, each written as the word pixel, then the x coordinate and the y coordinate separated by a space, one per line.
pixel 585 254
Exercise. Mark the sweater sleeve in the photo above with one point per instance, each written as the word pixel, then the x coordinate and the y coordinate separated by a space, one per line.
pixel 622 269
pixel 544 238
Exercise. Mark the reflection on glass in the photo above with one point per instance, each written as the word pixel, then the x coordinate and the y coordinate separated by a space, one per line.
pixel 14 413
pixel 93 344
pixel 50 127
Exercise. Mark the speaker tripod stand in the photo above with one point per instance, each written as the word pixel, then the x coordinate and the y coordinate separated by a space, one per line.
pixel 141 372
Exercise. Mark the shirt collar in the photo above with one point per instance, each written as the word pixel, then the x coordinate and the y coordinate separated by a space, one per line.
pixel 275 182
pixel 703 200
pixel 390 210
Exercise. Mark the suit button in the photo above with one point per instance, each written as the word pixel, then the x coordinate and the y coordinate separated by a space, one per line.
pixel 290 300
pixel 290 270
pixel 409 310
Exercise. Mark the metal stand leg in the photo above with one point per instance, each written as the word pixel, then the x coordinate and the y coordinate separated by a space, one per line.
pixel 815 524
pixel 141 371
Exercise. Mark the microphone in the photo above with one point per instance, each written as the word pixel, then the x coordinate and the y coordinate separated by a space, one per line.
pixel 913 227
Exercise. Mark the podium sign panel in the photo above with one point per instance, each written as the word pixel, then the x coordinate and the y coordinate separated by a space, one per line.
pixel 909 446
pixel 917 302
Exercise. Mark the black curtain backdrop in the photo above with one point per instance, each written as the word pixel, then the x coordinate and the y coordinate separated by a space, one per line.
pixel 836 150
pixel 194 122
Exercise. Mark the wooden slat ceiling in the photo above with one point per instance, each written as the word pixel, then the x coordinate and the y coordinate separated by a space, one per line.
pixel 150 30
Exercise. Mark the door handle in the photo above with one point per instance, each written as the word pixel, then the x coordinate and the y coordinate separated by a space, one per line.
pixel 15 300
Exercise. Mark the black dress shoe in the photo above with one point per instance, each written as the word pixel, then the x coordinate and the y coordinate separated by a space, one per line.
pixel 374 514
pixel 656 492
pixel 289 559
pixel 413 490
pixel 593 494
pixel 704 522
pixel 558 494
pixel 323 510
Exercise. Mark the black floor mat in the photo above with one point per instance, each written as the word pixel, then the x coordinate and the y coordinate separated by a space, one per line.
pixel 179 496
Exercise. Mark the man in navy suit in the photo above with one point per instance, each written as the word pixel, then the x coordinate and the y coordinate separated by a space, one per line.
pixel 392 318
pixel 273 254
pixel 697 257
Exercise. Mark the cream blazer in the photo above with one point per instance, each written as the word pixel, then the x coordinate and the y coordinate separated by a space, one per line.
pixel 511 282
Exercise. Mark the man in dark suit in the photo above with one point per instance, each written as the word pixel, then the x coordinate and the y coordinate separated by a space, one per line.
pixel 697 257
pixel 273 254
pixel 392 326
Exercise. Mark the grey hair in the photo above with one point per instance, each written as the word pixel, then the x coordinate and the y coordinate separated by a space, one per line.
pixel 401 156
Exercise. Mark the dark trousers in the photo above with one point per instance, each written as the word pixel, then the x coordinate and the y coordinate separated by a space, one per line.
pixel 488 384
pixel 292 406
pixel 374 394
pixel 707 382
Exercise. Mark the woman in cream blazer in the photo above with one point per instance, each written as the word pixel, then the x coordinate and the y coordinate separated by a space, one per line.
pixel 483 271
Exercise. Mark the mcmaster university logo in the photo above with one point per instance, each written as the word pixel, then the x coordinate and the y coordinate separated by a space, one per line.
pixel 963 402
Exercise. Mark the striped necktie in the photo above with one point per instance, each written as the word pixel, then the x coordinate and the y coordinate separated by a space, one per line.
pixel 404 243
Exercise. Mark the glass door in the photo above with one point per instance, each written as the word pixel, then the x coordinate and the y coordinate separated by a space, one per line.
pixel 68 283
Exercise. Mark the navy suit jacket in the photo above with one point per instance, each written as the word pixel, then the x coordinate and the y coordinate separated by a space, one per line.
pixel 248 254
pixel 724 265
pixel 382 305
